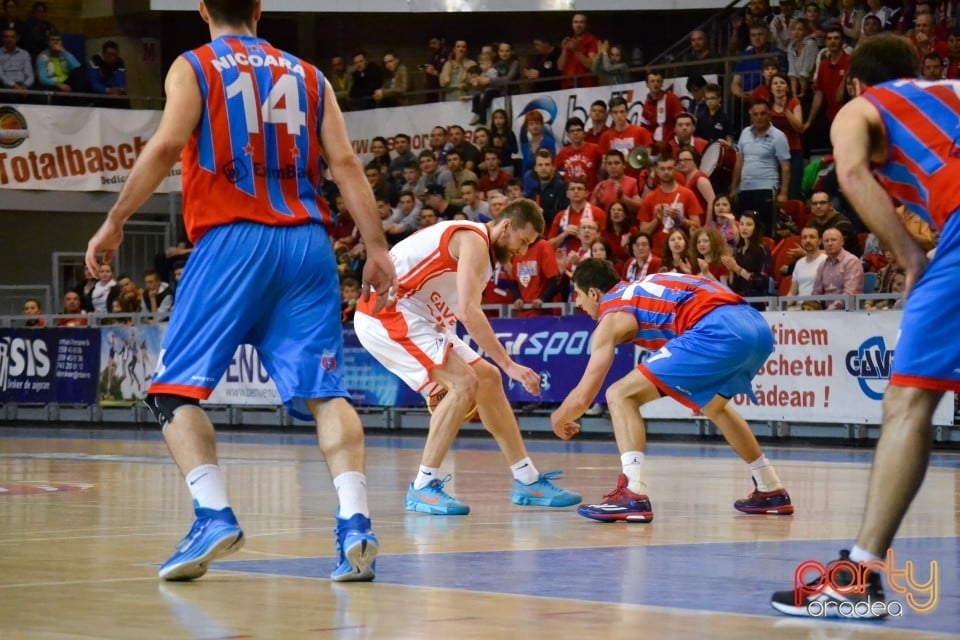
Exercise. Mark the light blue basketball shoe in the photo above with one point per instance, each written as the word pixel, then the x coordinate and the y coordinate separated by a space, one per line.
pixel 356 550
pixel 214 534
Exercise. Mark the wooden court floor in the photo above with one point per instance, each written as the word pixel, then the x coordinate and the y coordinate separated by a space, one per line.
pixel 86 516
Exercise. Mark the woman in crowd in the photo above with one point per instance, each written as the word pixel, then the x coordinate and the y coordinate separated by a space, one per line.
pixel 642 263
pixel 709 248
pixel 786 114
pixel 676 254
pixel 722 218
pixel 453 75
pixel 688 165
pixel 750 262
pixel 620 229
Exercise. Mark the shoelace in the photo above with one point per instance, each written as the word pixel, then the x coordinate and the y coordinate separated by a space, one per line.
pixel 545 478
pixel 195 530
pixel 439 484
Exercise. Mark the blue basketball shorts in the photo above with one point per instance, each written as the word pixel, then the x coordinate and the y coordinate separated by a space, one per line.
pixel 927 355
pixel 275 288
pixel 719 355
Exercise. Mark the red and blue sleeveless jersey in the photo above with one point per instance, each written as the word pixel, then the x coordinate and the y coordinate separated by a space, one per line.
pixel 255 155
pixel 923 163
pixel 666 305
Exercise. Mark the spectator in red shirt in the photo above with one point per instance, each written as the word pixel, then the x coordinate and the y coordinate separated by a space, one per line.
pixel 579 159
pixel 660 108
pixel 577 54
pixel 538 279
pixel 31 307
pixel 565 229
pixel 598 122
pixel 72 306
pixel 669 206
pixel 624 136
pixel 618 187
pixel 828 86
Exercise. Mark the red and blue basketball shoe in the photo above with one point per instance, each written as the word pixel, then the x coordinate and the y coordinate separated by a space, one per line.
pixel 775 503
pixel 620 505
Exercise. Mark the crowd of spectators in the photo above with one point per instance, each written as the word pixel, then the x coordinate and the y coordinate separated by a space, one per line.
pixel 775 218
pixel 33 59
pixel 779 203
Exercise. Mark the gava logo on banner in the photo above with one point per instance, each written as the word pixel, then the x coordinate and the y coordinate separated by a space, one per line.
pixel 870 364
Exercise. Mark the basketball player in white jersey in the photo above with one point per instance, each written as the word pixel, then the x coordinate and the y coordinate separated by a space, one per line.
pixel 442 271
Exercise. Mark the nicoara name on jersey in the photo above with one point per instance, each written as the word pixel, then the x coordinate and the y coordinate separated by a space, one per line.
pixel 240 59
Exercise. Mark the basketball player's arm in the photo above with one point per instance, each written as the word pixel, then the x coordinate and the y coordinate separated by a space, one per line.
pixel 180 117
pixel 855 134
pixel 473 258
pixel 379 273
pixel 613 329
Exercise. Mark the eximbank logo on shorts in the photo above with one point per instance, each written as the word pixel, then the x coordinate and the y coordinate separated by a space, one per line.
pixel 870 364
pixel 845 585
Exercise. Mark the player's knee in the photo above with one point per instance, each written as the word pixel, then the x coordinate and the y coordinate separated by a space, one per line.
pixel 488 376
pixel 164 406
pixel 631 391
pixel 467 383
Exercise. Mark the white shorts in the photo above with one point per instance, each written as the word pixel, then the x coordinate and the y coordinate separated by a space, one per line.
pixel 410 345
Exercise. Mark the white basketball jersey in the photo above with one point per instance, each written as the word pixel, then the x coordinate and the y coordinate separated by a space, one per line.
pixel 427 273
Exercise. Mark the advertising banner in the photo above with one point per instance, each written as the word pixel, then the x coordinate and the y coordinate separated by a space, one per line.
pixel 829 367
pixel 556 107
pixel 245 382
pixel 74 148
pixel 93 149
pixel 49 365
pixel 369 382
pixel 128 358
pixel 558 348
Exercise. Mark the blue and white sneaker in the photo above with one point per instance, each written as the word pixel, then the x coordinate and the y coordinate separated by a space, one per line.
pixel 544 493
pixel 356 550
pixel 214 534
pixel 434 500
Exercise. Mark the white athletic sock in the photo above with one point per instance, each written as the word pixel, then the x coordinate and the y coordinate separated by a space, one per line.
pixel 351 489
pixel 859 554
pixel 524 471
pixel 765 475
pixel 632 462
pixel 425 476
pixel 206 487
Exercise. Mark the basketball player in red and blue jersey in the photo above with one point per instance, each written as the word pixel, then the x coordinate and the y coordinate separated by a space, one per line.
pixel 705 344
pixel 250 120
pixel 898 139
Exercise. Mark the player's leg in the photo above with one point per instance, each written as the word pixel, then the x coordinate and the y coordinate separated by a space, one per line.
pixel 628 502
pixel 769 497
pixel 899 464
pixel 920 375
pixel 340 436
pixel 300 341
pixel 410 347
pixel 190 437
pixel 530 487
pixel 217 305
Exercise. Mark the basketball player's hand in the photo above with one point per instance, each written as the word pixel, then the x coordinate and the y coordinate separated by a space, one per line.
pixel 913 268
pixel 106 240
pixel 380 276
pixel 564 430
pixel 526 376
